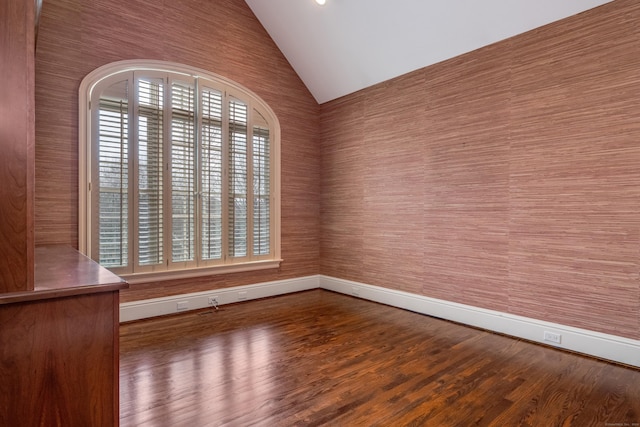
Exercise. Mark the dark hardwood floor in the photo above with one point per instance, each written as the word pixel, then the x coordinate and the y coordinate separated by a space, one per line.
pixel 319 358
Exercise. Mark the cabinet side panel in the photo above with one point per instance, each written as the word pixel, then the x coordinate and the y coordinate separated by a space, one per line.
pixel 59 362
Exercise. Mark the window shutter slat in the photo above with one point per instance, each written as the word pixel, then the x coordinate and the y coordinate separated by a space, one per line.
pixel 113 176
pixel 237 202
pixel 182 172
pixel 211 174
pixel 150 171
pixel 261 187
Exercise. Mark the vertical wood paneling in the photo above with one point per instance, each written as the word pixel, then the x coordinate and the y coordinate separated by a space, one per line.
pixel 16 145
pixel 528 152
pixel 221 36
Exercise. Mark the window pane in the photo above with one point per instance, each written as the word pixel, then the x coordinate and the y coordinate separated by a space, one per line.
pixel 211 174
pixel 238 179
pixel 113 176
pixel 261 187
pixel 182 172
pixel 150 191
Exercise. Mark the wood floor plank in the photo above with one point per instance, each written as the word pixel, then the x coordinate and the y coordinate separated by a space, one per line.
pixel 317 358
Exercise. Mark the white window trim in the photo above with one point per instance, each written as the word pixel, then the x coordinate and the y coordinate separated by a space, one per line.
pixel 85 161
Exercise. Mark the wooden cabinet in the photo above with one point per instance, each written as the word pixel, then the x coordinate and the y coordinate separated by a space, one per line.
pixel 59 345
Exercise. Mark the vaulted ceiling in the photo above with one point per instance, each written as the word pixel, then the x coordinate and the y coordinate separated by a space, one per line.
pixel 347 45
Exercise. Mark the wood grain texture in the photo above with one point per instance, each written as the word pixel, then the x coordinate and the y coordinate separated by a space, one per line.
pixel 59 345
pixel 506 178
pixel 317 358
pixel 17 183
pixel 59 362
pixel 61 271
pixel 221 36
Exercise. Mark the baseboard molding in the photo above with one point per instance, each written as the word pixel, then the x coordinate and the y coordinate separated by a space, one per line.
pixel 167 305
pixel 603 346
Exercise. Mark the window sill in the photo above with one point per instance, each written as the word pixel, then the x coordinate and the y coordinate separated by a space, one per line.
pixel 160 276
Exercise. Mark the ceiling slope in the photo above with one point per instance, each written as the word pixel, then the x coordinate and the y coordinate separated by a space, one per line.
pixel 347 45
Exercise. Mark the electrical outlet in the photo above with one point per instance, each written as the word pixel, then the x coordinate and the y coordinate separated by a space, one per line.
pixel 552 337
pixel 355 291
pixel 214 301
pixel 183 305
pixel 242 295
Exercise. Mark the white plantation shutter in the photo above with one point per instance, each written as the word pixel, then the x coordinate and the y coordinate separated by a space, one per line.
pixel 182 174
pixel 211 174
pixel 183 171
pixel 237 200
pixel 113 176
pixel 261 186
pixel 150 136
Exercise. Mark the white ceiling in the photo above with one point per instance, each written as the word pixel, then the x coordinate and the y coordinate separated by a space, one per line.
pixel 347 45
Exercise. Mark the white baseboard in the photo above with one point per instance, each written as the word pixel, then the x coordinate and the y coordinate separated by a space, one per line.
pixel 167 305
pixel 604 346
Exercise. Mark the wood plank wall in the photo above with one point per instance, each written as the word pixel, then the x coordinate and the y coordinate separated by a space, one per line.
pixel 17 107
pixel 507 178
pixel 222 36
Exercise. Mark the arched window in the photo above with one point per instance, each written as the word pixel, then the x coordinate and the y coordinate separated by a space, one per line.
pixel 179 172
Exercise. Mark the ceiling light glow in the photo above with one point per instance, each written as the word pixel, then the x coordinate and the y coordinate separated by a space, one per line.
pixel 320 2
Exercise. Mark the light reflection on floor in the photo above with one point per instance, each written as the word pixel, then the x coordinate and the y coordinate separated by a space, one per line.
pixel 235 368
